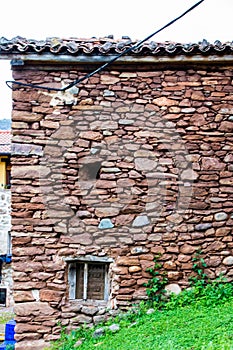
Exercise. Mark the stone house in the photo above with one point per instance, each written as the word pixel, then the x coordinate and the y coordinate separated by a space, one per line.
pixel 6 297
pixel 133 162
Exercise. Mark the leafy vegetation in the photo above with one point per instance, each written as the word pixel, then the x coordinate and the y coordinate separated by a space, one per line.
pixel 199 318
pixel 5 317
pixel 156 285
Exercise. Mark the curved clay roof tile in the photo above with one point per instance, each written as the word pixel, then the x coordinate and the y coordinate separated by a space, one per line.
pixel 108 45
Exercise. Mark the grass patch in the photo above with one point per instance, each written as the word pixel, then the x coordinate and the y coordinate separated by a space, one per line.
pixel 191 327
pixel 194 327
pixel 5 317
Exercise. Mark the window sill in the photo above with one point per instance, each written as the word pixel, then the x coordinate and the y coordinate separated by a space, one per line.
pixel 89 302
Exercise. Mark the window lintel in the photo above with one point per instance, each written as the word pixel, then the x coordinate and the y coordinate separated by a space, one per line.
pixel 89 258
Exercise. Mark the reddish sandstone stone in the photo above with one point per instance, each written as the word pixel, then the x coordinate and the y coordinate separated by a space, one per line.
pixel 125 291
pixel 183 258
pixel 147 264
pixel 142 281
pixel 105 184
pixel 164 101
pixel 50 295
pixel 215 246
pixel 31 344
pixel 127 261
pixel 198 119
pixel 226 126
pixel 174 275
pixel 209 163
pixel 125 183
pixel 23 296
pixel 21 240
pixel 106 212
pixel 149 257
pixel 197 95
pixel 223 231
pixel 122 220
pixel 107 79
pixel 158 250
pixel 134 269
pixel 26 116
pixel 169 265
pixel 128 283
pixel 25 327
pixel 227 181
pixel 34 308
pixel 90 135
pixel 124 297
pixel 187 249
pixel 28 251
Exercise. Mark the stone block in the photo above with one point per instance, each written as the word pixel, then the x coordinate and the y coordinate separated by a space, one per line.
pixel 39 344
pixel 34 309
pixel 127 261
pixel 50 295
pixel 82 319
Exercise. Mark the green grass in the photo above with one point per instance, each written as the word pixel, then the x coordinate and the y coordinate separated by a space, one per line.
pixel 186 328
pixel 183 328
pixel 5 317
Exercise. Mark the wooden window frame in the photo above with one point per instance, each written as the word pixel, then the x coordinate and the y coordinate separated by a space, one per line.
pixel 3 289
pixel 72 277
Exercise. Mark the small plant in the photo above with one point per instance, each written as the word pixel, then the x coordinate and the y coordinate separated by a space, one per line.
pixel 5 317
pixel 202 290
pixel 156 285
pixel 199 264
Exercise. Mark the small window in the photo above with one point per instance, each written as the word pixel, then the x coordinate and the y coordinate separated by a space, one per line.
pixel 88 280
pixel 8 175
pixel 5 172
pixel 9 245
pixel 3 296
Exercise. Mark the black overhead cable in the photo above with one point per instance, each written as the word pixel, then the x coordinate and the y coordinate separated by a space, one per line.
pixel 105 65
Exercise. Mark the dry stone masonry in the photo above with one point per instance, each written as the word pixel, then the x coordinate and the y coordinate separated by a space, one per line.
pixel 135 162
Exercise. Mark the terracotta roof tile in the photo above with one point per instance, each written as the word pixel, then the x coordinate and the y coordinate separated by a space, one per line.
pixel 107 45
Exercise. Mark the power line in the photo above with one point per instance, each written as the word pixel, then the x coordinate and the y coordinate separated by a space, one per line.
pixel 105 65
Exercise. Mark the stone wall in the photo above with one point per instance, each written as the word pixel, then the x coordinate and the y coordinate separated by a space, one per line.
pixel 129 165
pixel 5 220
pixel 5 228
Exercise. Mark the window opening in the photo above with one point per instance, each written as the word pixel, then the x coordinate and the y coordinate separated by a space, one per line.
pixel 5 172
pixel 3 296
pixel 88 280
pixel 9 245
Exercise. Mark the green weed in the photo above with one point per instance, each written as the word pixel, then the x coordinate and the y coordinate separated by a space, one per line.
pixel 5 317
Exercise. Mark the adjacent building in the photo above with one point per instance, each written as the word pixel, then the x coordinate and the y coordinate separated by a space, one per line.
pixel 6 293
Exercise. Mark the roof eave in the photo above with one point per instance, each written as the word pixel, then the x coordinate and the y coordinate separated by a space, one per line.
pixel 21 59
